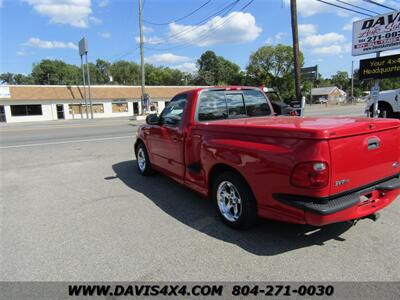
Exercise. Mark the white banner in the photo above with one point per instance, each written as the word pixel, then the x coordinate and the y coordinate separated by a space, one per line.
pixel 5 92
pixel 376 34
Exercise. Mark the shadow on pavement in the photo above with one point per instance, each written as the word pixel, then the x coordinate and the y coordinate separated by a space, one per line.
pixel 186 206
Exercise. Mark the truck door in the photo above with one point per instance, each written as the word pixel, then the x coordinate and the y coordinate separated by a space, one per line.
pixel 166 139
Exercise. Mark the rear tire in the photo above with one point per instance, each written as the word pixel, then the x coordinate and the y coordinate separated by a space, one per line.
pixel 234 201
pixel 143 161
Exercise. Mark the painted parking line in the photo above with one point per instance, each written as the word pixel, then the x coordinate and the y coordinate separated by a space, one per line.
pixel 67 142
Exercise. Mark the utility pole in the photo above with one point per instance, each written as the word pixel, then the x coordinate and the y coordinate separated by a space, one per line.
pixel 141 55
pixel 352 82
pixel 297 79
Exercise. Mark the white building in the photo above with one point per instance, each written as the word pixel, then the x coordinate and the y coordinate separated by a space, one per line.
pixel 26 103
pixel 331 94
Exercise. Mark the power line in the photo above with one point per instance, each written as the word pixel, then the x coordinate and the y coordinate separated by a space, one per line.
pixel 356 6
pixel 179 19
pixel 379 4
pixel 124 54
pixel 225 10
pixel 206 33
pixel 346 8
pixel 131 51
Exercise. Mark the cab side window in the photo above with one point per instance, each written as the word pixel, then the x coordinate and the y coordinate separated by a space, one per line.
pixel 173 112
pixel 256 104
pixel 212 106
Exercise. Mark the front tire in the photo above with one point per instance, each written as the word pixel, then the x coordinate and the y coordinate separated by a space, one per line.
pixel 142 160
pixel 234 200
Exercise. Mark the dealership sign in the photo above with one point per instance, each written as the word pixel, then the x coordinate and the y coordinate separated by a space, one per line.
pixel 380 67
pixel 376 34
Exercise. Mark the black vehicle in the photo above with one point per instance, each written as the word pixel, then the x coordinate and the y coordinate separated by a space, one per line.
pixel 279 106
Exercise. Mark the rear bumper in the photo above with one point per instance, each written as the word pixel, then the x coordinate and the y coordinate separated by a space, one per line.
pixel 355 205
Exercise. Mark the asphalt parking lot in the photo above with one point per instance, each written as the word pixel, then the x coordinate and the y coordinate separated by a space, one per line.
pixel 75 208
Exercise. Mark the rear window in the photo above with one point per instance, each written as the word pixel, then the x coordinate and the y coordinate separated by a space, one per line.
pixel 218 105
pixel 235 104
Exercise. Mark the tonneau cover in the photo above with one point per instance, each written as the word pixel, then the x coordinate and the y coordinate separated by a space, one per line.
pixel 302 127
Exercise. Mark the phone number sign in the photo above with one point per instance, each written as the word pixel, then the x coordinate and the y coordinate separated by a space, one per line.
pixel 376 34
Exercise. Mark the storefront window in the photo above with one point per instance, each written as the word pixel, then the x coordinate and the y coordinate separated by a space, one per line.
pixel 26 110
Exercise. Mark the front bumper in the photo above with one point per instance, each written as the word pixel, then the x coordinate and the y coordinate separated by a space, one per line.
pixel 354 205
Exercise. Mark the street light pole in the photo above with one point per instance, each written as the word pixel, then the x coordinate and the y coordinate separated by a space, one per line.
pixel 375 113
pixel 90 96
pixel 141 55
pixel 297 79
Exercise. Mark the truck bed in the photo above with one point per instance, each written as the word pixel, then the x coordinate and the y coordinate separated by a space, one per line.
pixel 298 127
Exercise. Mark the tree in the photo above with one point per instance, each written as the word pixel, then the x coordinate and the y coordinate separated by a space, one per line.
pixel 216 70
pixel 125 72
pixel 229 72
pixel 7 78
pixel 207 64
pixel 390 83
pixel 341 80
pixel 273 66
pixel 23 79
pixel 55 72
pixel 101 71
pixel 10 78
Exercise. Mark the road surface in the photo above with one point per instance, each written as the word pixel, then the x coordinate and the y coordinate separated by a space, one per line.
pixel 74 208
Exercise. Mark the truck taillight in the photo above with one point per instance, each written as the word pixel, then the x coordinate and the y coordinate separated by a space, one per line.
pixel 312 174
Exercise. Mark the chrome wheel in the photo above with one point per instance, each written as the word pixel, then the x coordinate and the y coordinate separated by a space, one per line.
pixel 141 159
pixel 229 201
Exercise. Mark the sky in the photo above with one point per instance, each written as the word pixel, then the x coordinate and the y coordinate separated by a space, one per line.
pixel 32 30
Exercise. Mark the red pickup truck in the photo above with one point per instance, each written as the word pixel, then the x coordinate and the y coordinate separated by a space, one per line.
pixel 226 143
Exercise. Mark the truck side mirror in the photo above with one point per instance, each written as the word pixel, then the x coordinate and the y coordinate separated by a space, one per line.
pixel 152 119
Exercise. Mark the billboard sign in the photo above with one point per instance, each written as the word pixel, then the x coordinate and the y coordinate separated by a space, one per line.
pixel 378 33
pixel 83 46
pixel 380 67
pixel 310 73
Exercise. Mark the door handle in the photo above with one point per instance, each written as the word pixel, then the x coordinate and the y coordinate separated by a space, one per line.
pixel 373 143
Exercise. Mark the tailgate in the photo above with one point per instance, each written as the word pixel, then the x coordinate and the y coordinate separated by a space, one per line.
pixel 363 159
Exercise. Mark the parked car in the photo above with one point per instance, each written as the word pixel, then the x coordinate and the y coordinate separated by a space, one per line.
pixel 278 104
pixel 225 143
pixel 388 104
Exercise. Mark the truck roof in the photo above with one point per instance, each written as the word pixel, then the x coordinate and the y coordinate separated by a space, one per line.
pixel 225 87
